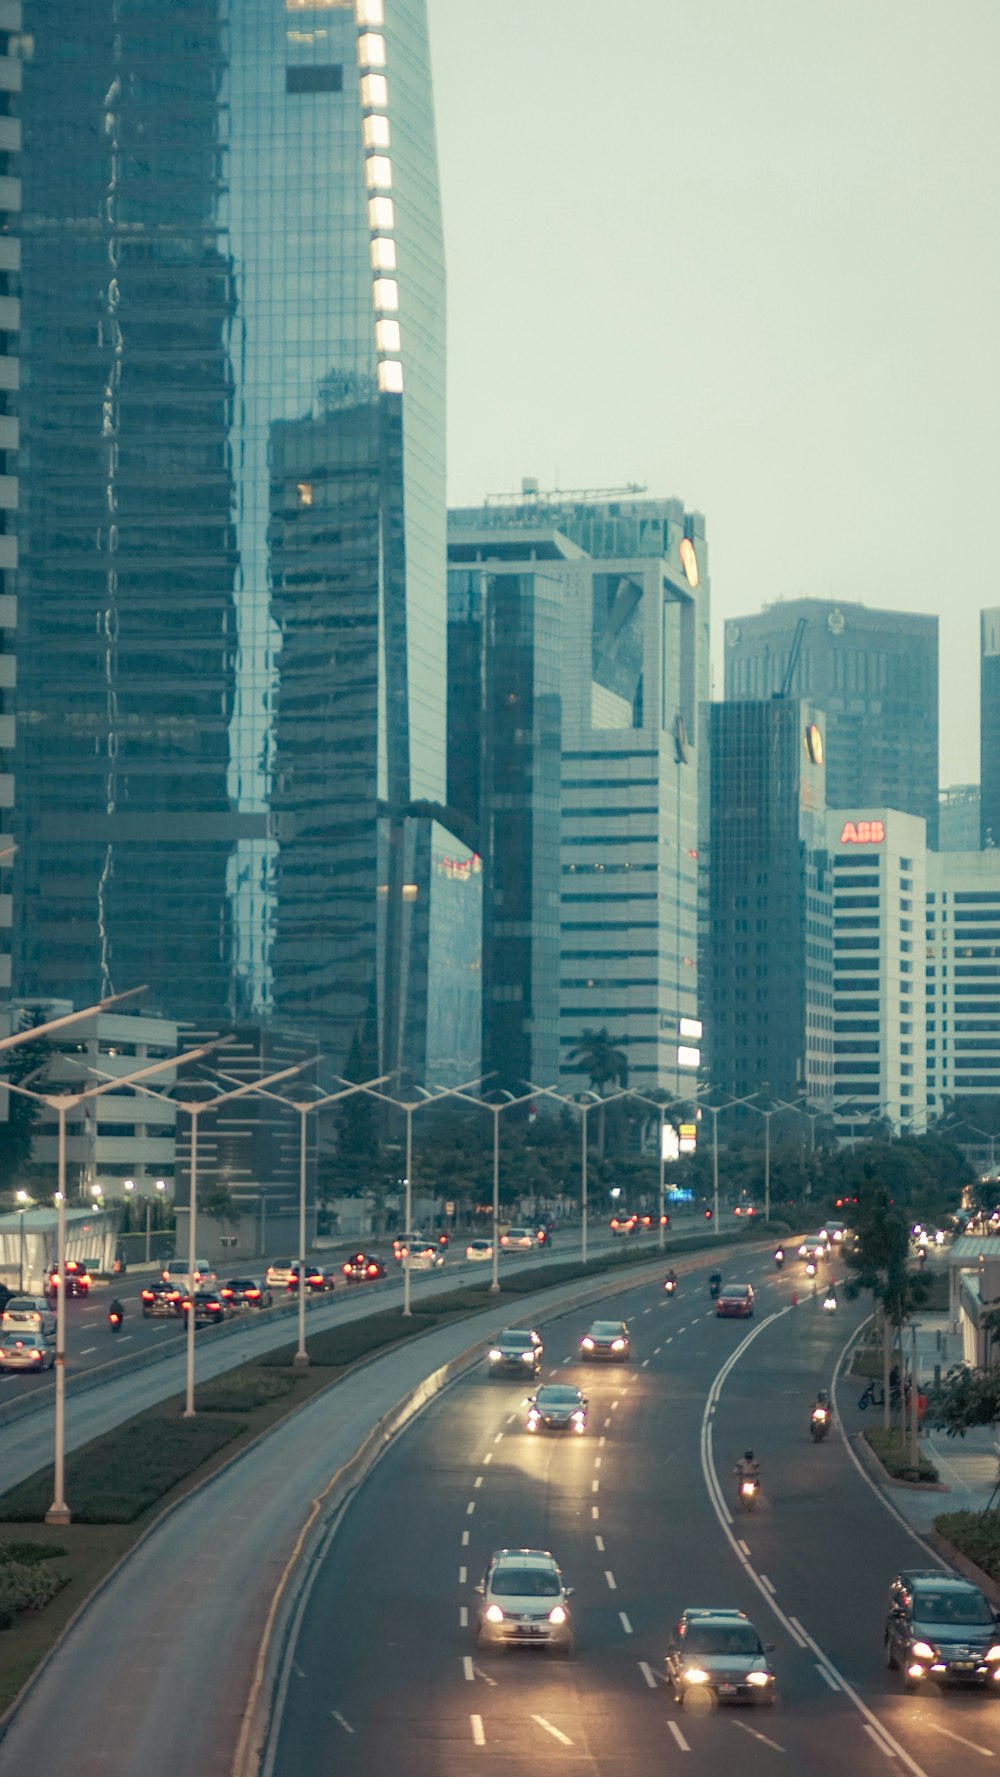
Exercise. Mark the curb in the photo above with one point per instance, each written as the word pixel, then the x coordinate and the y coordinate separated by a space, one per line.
pixel 965 1566
pixel 877 1467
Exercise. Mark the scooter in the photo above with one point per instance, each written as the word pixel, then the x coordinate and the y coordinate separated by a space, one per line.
pixel 115 1322
pixel 715 1285
pixel 810 1267
pixel 779 1257
pixel 830 1302
pixel 748 1491
pixel 670 1286
pixel 819 1423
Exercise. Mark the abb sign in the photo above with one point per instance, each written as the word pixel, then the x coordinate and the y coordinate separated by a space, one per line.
pixel 863 833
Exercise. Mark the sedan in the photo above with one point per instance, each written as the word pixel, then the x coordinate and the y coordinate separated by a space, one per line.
pixel 363 1267
pixel 735 1300
pixel 940 1626
pixel 78 1279
pixel 557 1407
pixel 518 1240
pixel 649 1222
pixel 478 1250
pixel 623 1223
pixel 29 1314
pixel 424 1256
pixel 523 1602
pixel 719 1651
pixel 280 1272
pixel 607 1338
pixel 246 1292
pixel 515 1353
pixel 26 1351
pixel 319 1279
pixel 209 1309
pixel 159 1298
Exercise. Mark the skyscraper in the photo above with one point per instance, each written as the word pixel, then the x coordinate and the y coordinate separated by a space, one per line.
pixel 989 725
pixel 874 674
pixel 232 532
pixel 10 377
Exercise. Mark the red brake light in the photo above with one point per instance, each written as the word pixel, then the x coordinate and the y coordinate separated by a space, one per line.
pixel 249 1293
pixel 346 1269
pixel 373 1270
pixel 147 1296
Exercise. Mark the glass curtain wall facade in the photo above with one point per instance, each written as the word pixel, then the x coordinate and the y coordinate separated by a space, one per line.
pixel 232 613
pixel 989 726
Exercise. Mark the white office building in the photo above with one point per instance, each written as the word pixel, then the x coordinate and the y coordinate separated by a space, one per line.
pixel 963 975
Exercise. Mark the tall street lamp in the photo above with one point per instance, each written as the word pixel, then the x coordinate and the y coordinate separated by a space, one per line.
pixel 507 1101
pixel 22 1203
pixel 660 1105
pixel 584 1102
pixel 62 1103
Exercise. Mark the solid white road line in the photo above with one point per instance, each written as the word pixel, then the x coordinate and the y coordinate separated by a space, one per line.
pixel 758 1736
pixel 478 1737
pixel 557 1733
pixel 612 1582
pixel 599 1540
pixel 463 1616
pixel 467 1667
pixel 824 1674
pixel 648 1674
pixel 972 1744
pixel 678 1736
pixel 880 1740
pixel 463 1576
pixel 626 1625
pixel 336 1716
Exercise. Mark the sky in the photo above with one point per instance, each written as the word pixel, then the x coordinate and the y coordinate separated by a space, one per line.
pixel 748 257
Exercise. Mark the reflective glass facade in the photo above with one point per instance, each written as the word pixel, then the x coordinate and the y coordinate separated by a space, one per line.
pixel 232 531
pixel 989 726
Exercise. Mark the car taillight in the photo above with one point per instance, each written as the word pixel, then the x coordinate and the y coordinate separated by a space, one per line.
pixel 147 1296
pixel 373 1270
pixel 346 1269
pixel 251 1295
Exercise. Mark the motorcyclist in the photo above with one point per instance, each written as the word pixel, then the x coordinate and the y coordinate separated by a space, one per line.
pixel 715 1282
pixel 116 1314
pixel 748 1468
pixel 779 1256
pixel 670 1283
pixel 822 1403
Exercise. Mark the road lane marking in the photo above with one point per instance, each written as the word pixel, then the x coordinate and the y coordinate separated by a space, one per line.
pixel 647 1311
pixel 645 1364
pixel 612 1582
pixel 557 1733
pixel 975 1747
pixel 511 1417
pixel 626 1625
pixel 766 1582
pixel 470 1508
pixel 498 1437
pixel 467 1667
pixel 478 1737
pixel 603 1440
pixel 824 1674
pixel 465 1539
pixel 880 1740
pixel 336 1716
pixel 124 1338
pixel 599 1540
pixel 744 1546
pixel 485 1677
pixel 597 1462
pixel 613 1405
pixel 478 1481
pixel 487 1458
pixel 463 1576
pixel 696 1319
pixel 88 1350
pixel 670 1340
pixel 567 1360
pixel 657 1350
pixel 678 1736
pixel 595 1486
pixel 463 1616
pixel 594 1512
pixel 758 1736
pixel 648 1674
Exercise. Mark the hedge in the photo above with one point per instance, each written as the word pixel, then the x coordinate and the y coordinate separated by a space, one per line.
pixel 976 1535
pixel 115 1478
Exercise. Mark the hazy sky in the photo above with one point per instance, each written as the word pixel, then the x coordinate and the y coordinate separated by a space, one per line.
pixel 749 256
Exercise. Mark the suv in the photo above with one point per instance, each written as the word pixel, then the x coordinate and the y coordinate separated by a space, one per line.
pixel 720 1652
pixel 280 1273
pixel 176 1271
pixel 940 1626
pixel 159 1298
pixel 78 1279
pixel 515 1352
pixel 523 1600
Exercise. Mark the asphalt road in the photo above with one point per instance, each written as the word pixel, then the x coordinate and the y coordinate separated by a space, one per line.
pixel 384 1675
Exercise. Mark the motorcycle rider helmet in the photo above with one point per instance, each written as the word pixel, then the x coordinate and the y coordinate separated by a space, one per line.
pixel 748 1455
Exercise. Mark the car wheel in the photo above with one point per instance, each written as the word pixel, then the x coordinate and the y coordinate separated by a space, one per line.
pixel 890 1657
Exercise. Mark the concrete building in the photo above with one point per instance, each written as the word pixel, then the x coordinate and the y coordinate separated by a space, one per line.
pixel 767 942
pixel 879 863
pixel 989 726
pixel 963 975
pixel 959 818
pixel 874 674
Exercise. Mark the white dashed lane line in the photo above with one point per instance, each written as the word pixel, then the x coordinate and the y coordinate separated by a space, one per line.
pixel 612 1582
pixel 648 1674
pixel 478 1481
pixel 613 1405
pixel 463 1576
pixel 599 1541
pixel 478 1736
pixel 336 1716
pixel 645 1364
pixel 766 1582
pixel 463 1616
pixel 594 1512
pixel 465 1539
pixel 487 1458
pixel 595 1486
pixel 470 1508
pixel 972 1744
pixel 467 1667
pixel 626 1625
pixel 756 1735
pixel 498 1437
pixel 557 1733
pixel 597 1461
pixel 821 1669
pixel 678 1736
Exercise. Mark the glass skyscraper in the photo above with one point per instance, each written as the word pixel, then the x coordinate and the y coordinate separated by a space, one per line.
pixel 231 631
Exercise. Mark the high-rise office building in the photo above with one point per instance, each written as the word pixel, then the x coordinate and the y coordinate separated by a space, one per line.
pixel 578 639
pixel 767 942
pixel 10 379
pixel 959 817
pixel 232 525
pixel 989 726
pixel 874 674
pixel 963 977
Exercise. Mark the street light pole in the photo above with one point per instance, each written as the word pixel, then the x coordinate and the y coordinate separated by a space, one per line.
pixel 767 1115
pixel 584 1109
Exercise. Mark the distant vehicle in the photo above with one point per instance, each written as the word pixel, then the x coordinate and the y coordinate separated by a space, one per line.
pixel 735 1300
pixel 814 1246
pixel 209 1309
pixel 26 1351
pixel 622 1222
pixel 245 1292
pixel 607 1338
pixel 78 1279
pixel 28 1314
pixel 400 1243
pixel 176 1271
pixel 518 1240
pixel 363 1268
pixel 280 1272
pixel 557 1407
pixel 651 1223
pixel 479 1249
pixel 160 1299
pixel 721 1652
pixel 319 1278
pixel 425 1256
pixel 523 1601
pixel 518 1352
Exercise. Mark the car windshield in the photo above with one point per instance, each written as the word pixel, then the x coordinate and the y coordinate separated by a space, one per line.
pixel 557 1397
pixel 952 1607
pixel 525 1582
pixel 606 1329
pixel 516 1336
pixel 736 1289
pixel 721 1638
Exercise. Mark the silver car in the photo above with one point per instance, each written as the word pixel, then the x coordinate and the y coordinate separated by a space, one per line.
pixel 26 1351
pixel 29 1314
pixel 523 1602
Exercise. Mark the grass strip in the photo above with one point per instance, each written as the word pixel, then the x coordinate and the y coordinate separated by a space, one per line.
pixel 893 1451
pixel 975 1535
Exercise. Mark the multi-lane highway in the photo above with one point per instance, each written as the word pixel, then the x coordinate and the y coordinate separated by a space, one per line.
pixel 384 1673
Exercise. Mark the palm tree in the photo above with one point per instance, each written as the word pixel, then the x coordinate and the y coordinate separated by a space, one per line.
pixel 602 1058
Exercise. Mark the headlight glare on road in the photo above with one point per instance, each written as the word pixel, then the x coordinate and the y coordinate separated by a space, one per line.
pixel 494 1614
pixel 557 1614
pixel 695 1675
pixel 758 1678
pixel 922 1650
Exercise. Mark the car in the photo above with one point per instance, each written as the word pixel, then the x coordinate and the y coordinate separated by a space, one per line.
pixel 517 1351
pixel 400 1243
pixel 557 1407
pixel 518 1240
pixel 524 1602
pixel 649 1222
pixel 478 1250
pixel 26 1351
pixel 246 1293
pixel 159 1298
pixel 319 1279
pixel 939 1626
pixel 78 1279
pixel 424 1256
pixel 834 1229
pixel 719 1651
pixel 209 1309
pixel 28 1314
pixel 177 1271
pixel 735 1300
pixel 607 1338
pixel 814 1246
pixel 363 1267
pixel 622 1222
pixel 280 1272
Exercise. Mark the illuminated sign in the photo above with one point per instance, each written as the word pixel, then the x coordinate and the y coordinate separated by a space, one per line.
pixel 688 1057
pixel 814 744
pixel 863 833
pixel 688 1133
pixel 670 1144
pixel 689 1027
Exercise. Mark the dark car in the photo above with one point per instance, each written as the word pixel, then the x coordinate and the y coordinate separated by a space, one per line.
pixel 159 1298
pixel 735 1300
pixel 623 1222
pixel 319 1278
pixel 649 1222
pixel 607 1339
pixel 209 1309
pixel 557 1407
pixel 363 1267
pixel 517 1352
pixel 721 1652
pixel 246 1292
pixel 78 1279
pixel 942 1627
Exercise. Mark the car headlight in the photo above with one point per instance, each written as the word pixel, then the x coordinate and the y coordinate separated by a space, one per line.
pixel 494 1614
pixel 695 1675
pixel 922 1650
pixel 588 1344
pixel 527 1357
pixel 495 1356
pixel 557 1614
pixel 993 1653
pixel 758 1678
pixel 618 1345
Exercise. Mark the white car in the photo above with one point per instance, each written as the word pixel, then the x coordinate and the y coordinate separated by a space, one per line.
pixel 425 1257
pixel 176 1271
pixel 814 1246
pixel 29 1314
pixel 523 1601
pixel 280 1273
pixel 479 1249
pixel 518 1240
pixel 26 1351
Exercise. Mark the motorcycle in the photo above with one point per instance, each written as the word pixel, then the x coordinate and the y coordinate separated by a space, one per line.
pixel 875 1397
pixel 670 1286
pixel 714 1286
pixel 819 1423
pixel 830 1302
pixel 779 1258
pixel 810 1267
pixel 115 1321
pixel 748 1490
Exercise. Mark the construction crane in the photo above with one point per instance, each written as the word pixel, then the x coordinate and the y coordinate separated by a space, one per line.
pixel 793 658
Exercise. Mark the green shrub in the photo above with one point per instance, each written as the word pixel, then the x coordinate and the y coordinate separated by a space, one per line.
pixel 243 1390
pixel 27 1585
pixel 893 1451
pixel 114 1479
pixel 28 1552
pixel 975 1535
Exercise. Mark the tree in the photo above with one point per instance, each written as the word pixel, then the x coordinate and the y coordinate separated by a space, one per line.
pixel 966 1398
pixel 879 1258
pixel 222 1207
pixel 602 1058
